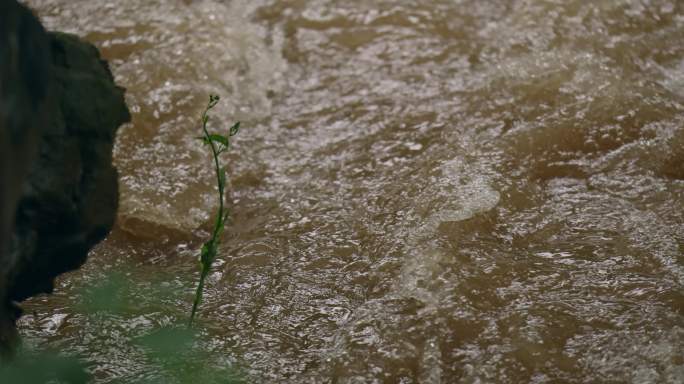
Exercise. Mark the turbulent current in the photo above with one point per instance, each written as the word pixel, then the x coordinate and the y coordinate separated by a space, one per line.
pixel 464 191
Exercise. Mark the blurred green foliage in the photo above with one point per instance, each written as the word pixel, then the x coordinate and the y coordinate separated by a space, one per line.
pixel 174 350
pixel 45 367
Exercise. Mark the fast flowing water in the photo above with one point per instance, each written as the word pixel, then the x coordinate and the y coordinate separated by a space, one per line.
pixel 459 191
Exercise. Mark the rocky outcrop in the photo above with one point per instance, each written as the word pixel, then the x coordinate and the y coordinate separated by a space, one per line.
pixel 24 84
pixel 59 113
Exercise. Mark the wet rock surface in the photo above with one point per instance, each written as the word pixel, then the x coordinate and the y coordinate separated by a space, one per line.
pixel 59 194
pixel 24 73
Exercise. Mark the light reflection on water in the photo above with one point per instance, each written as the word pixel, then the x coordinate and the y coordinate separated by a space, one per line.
pixel 445 191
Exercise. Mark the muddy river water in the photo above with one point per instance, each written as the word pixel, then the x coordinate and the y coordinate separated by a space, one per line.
pixel 460 191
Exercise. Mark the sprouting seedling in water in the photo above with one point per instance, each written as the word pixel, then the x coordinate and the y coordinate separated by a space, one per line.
pixel 218 144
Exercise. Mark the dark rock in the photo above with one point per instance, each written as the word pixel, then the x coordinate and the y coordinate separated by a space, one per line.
pixel 24 86
pixel 69 199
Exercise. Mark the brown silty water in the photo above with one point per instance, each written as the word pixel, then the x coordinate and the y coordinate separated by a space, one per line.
pixel 424 191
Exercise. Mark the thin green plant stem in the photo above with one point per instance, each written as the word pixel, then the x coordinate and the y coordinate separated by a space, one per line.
pixel 218 144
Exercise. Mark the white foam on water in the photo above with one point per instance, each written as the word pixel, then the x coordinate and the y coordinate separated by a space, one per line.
pixel 170 55
pixel 470 193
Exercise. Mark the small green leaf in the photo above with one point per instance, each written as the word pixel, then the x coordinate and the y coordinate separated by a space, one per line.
pixel 219 139
pixel 213 100
pixel 234 129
